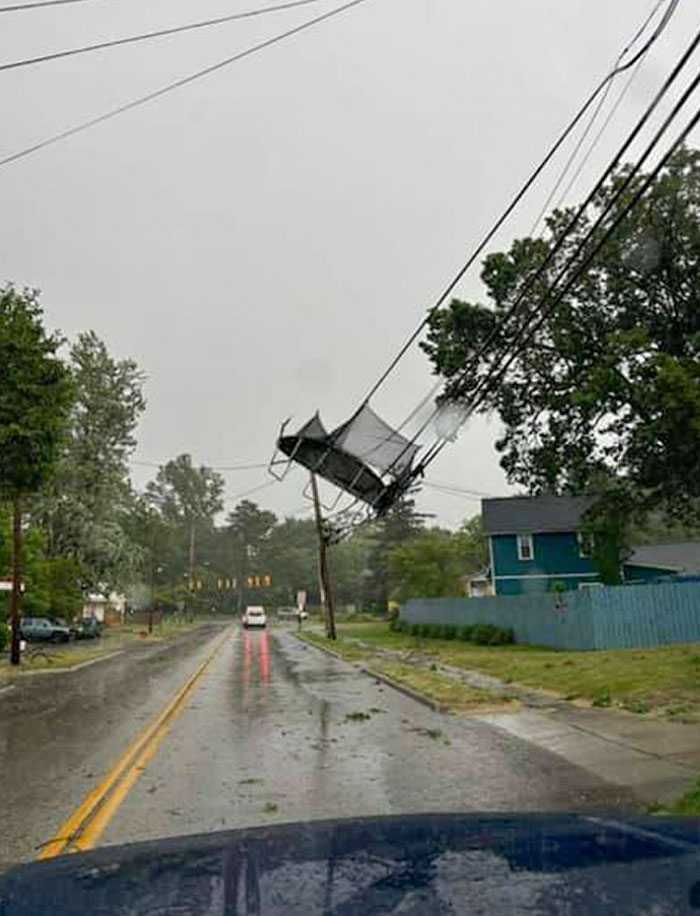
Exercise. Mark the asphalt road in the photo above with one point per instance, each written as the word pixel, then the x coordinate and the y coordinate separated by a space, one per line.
pixel 273 731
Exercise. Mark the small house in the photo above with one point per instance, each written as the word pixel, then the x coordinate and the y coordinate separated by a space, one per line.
pixel 536 541
pixel 536 544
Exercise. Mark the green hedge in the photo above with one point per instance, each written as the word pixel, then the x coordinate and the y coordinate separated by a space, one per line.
pixel 481 634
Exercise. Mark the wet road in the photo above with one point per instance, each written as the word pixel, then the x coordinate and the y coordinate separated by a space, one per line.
pixel 273 731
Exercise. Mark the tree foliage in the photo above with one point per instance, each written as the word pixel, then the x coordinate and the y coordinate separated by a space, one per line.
pixel 608 388
pixel 84 509
pixel 35 394
pixel 436 563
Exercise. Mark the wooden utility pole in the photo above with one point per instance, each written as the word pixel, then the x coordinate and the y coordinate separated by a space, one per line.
pixel 191 566
pixel 326 594
pixel 16 578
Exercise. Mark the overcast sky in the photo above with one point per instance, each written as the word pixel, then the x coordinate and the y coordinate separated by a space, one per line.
pixel 263 240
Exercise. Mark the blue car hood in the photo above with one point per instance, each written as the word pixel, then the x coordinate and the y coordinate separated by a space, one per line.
pixel 419 864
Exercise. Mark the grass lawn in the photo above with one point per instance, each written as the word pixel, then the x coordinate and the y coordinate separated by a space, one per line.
pixel 689 803
pixel 664 681
pixel 51 658
pixel 447 692
pixel 171 626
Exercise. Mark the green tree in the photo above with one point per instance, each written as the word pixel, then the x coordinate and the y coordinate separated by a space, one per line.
pixel 248 532
pixel 609 385
pixel 290 555
pixel 35 397
pixel 188 499
pixel 431 565
pixel 84 509
pixel 473 545
pixel 401 523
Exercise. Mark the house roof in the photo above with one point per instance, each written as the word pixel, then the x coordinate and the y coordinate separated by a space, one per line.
pixel 533 514
pixel 680 556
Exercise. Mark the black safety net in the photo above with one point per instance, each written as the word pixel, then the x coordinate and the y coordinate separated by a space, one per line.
pixel 364 456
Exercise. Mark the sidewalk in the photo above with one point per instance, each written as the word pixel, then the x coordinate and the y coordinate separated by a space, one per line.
pixel 657 759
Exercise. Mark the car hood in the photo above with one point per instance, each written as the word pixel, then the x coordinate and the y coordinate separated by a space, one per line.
pixel 435 864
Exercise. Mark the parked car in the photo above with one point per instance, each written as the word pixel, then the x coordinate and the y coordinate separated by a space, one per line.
pixel 254 616
pixel 89 628
pixel 43 629
pixel 291 613
pixel 71 624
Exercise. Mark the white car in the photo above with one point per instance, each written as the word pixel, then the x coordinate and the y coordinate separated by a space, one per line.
pixel 254 617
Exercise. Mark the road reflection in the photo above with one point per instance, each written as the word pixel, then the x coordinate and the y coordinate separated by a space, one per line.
pixel 256 658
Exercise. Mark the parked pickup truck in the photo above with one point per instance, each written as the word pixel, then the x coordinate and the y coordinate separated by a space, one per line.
pixel 41 628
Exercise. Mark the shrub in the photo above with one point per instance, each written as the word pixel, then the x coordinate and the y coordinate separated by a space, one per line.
pixel 395 624
pixel 415 629
pixel 486 634
pixel 4 637
pixel 425 630
pixel 465 634
pixel 449 632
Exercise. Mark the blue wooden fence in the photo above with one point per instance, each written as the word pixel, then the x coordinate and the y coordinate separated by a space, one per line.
pixel 622 617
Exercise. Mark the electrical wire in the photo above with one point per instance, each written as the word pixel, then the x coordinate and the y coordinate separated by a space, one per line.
pixel 673 4
pixel 590 257
pixel 159 33
pixel 211 467
pixel 262 486
pixel 539 273
pixel 16 7
pixel 178 84
pixel 453 488
pixel 596 140
pixel 589 126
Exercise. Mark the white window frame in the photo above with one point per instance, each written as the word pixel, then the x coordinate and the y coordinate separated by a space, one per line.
pixel 522 540
pixel 585 554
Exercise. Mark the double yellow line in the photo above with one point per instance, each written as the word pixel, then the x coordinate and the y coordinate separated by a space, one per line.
pixel 85 826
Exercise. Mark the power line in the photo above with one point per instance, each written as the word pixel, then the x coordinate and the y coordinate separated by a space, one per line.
pixel 211 467
pixel 637 197
pixel 262 486
pixel 35 5
pixel 159 33
pixel 516 308
pixel 594 117
pixel 520 195
pixel 178 84
pixel 453 488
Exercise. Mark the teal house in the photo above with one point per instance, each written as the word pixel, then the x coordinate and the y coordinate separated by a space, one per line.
pixel 536 544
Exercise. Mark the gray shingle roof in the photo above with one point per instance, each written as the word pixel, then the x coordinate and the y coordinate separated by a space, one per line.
pixel 533 514
pixel 683 556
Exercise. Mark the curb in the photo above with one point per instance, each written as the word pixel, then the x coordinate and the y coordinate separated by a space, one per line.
pixel 407 691
pixel 328 651
pixel 385 679
pixel 65 669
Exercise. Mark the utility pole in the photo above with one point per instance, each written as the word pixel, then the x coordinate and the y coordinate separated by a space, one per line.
pixel 16 581
pixel 191 564
pixel 326 594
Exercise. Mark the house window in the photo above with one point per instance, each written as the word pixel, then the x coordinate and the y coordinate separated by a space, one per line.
pixel 586 544
pixel 526 550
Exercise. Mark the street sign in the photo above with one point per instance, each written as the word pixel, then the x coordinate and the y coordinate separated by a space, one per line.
pixel 6 585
